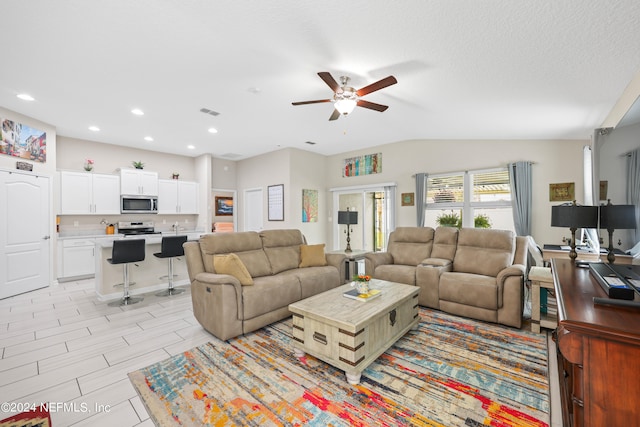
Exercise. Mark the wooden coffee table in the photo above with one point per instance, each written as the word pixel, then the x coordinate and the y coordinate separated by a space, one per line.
pixel 351 334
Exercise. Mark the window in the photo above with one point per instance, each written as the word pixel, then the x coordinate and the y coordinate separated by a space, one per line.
pixel 470 199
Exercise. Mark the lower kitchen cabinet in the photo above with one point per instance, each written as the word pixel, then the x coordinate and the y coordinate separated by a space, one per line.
pixel 76 258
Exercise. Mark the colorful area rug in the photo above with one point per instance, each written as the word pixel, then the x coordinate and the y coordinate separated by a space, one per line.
pixel 450 372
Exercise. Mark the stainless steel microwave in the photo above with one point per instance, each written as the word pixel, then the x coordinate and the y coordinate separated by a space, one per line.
pixel 139 204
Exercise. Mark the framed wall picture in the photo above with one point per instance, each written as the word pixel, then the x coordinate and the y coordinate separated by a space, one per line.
pixel 224 206
pixel 309 205
pixel 604 186
pixel 563 192
pixel 275 202
pixel 407 199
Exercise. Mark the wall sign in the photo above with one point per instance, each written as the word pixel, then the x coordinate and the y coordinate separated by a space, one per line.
pixel 275 202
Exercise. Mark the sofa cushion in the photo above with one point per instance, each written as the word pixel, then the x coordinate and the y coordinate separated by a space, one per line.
pixel 396 273
pixel 232 265
pixel 445 242
pixel 312 256
pixel 483 251
pixel 410 245
pixel 270 293
pixel 469 289
pixel 314 280
pixel 247 245
pixel 282 248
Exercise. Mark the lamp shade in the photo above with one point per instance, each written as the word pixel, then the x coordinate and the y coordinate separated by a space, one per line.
pixel 574 216
pixel 347 217
pixel 617 217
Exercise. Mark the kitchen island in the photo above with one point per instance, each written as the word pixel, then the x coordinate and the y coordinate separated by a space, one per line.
pixel 145 274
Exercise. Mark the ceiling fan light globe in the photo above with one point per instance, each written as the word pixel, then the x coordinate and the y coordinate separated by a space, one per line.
pixel 345 106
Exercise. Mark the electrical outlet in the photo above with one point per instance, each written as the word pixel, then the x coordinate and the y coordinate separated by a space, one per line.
pixel 76 223
pixel 164 221
pixel 186 221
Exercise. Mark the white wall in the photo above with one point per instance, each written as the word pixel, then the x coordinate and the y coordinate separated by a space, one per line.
pixel 72 154
pixel 297 170
pixel 555 161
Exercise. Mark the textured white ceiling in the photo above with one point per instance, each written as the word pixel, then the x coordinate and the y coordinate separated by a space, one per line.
pixel 475 69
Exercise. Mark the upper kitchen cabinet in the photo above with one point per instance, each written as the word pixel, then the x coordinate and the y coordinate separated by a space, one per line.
pixel 138 182
pixel 83 193
pixel 177 197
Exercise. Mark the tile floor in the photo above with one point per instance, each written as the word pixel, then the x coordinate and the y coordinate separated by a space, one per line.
pixel 61 345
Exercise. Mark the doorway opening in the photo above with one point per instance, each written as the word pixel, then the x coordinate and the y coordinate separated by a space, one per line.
pixel 375 219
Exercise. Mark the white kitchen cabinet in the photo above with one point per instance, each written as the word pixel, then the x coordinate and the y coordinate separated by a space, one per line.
pixel 83 193
pixel 76 257
pixel 134 182
pixel 177 197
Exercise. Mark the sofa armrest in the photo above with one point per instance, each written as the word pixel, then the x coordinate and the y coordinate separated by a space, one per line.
pixel 375 259
pixel 218 304
pixel 515 270
pixel 436 262
pixel 195 265
pixel 338 261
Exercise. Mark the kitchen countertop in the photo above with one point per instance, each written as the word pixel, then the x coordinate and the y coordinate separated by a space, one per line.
pixel 96 235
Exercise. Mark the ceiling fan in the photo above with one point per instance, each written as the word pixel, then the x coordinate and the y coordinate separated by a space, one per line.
pixel 346 98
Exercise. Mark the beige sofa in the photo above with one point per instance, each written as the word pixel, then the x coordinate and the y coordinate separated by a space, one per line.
pixel 272 258
pixel 476 273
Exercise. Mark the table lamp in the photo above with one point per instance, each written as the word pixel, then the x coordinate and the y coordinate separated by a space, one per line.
pixel 616 217
pixel 574 216
pixel 348 218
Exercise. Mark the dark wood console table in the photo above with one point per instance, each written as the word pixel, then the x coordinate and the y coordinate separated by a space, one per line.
pixel 599 352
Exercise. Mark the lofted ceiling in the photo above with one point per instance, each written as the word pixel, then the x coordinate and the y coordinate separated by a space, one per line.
pixel 475 69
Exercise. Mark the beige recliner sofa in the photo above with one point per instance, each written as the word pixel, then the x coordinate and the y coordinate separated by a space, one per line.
pixel 227 308
pixel 476 273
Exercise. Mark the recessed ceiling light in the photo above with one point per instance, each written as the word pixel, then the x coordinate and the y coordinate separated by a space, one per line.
pixel 94 128
pixel 26 97
pixel 213 130
pixel 191 147
pixel 148 138
pixel 137 112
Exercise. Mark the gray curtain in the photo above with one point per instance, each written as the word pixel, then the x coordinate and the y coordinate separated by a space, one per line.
pixel 633 186
pixel 521 196
pixel 420 199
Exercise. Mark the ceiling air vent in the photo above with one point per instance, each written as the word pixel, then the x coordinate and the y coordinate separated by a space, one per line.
pixel 210 112
pixel 231 155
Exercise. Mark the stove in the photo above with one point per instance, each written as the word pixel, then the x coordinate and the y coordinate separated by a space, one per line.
pixel 135 228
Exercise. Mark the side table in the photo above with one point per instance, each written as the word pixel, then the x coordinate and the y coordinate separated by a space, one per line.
pixel 352 261
pixel 540 277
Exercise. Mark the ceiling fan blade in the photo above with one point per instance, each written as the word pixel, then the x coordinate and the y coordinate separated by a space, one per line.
pixel 311 102
pixel 335 115
pixel 380 84
pixel 372 105
pixel 329 80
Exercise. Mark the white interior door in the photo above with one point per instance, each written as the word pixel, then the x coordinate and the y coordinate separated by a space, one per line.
pixel 253 210
pixel 25 243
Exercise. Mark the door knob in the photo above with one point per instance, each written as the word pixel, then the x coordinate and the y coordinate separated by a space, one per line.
pixel 46 237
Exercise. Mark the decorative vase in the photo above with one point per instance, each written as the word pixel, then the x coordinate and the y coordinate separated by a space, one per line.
pixel 88 167
pixel 362 287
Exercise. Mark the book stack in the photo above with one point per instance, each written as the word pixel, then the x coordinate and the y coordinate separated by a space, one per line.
pixel 354 294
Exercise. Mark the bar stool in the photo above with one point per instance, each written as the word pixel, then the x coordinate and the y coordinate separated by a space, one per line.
pixel 171 247
pixel 124 252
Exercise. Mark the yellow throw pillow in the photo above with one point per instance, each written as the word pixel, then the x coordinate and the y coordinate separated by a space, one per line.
pixel 232 265
pixel 312 256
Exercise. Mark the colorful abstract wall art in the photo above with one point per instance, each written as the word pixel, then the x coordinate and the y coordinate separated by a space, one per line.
pixel 362 165
pixel 309 205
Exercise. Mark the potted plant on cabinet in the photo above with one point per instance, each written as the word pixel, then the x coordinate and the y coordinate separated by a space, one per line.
pixel 138 165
